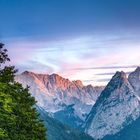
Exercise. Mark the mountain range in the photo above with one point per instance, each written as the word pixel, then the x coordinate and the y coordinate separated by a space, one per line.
pixel 109 113
pixel 68 101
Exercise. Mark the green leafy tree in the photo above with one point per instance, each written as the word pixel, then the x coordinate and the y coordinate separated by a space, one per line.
pixel 19 119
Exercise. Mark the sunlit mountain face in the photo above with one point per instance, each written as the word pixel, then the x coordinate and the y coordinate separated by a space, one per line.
pixel 83 39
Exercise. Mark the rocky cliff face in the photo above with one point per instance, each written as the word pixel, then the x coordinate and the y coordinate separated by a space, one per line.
pixel 54 93
pixel 117 106
pixel 134 79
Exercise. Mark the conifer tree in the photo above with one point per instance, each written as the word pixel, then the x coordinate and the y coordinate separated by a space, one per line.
pixel 19 119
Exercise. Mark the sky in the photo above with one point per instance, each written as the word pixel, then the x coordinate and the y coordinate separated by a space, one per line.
pixel 79 39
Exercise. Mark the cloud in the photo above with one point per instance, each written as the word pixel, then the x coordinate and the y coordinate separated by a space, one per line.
pixel 86 57
pixel 107 67
pixel 35 67
pixel 103 80
pixel 110 73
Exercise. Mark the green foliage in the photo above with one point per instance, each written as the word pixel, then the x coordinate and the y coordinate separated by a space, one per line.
pixel 7 74
pixel 19 119
pixel 3 54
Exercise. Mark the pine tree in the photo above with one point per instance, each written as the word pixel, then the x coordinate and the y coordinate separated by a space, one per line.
pixel 19 119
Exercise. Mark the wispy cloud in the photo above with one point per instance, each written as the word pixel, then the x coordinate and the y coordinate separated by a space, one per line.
pixel 82 58
pixel 104 80
pixel 111 73
pixel 107 67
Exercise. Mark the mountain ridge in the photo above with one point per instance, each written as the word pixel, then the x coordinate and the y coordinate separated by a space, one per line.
pixel 117 106
pixel 54 93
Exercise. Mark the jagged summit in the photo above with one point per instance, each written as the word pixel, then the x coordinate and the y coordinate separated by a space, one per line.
pixel 55 78
pixel 137 69
pixel 119 77
pixel 115 105
pixel 54 93
pixel 26 72
pixel 118 80
pixel 134 79
pixel 31 72
pixel 78 82
pixel 120 74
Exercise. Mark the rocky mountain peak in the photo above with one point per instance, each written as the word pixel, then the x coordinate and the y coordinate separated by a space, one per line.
pixel 116 103
pixel 78 82
pixel 26 73
pixel 119 77
pixel 117 81
pixel 134 79
pixel 135 74
pixel 137 69
pixel 57 81
pixel 55 77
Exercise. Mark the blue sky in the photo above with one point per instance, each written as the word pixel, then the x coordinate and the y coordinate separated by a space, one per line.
pixel 79 39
